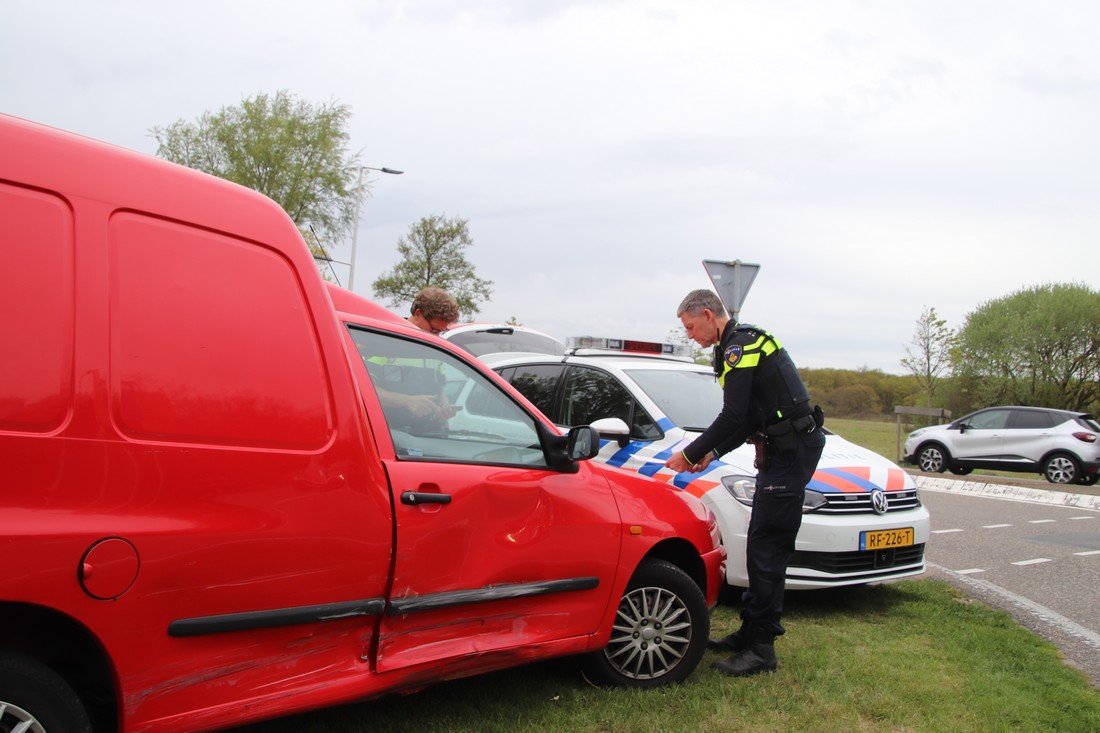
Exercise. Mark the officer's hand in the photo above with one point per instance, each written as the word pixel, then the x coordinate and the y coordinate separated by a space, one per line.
pixel 678 463
pixel 702 465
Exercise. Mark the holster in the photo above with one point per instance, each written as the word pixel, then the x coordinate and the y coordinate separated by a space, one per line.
pixel 760 443
pixel 781 436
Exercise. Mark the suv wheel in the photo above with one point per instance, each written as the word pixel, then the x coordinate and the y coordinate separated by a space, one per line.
pixel 660 631
pixel 933 458
pixel 1061 468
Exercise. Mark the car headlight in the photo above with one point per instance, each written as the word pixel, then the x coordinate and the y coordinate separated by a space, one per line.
pixel 814 500
pixel 742 488
pixel 917 433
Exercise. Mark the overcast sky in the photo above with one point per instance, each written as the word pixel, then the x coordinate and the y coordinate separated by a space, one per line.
pixel 873 157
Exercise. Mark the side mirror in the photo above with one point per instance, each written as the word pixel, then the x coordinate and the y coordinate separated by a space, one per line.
pixel 963 427
pixel 583 443
pixel 612 428
pixel 563 452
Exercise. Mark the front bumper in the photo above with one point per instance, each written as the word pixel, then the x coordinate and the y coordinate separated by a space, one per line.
pixel 827 553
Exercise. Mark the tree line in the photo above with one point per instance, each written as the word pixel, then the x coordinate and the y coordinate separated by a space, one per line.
pixel 1038 346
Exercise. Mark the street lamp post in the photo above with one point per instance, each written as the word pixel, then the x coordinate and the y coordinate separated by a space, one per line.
pixel 355 231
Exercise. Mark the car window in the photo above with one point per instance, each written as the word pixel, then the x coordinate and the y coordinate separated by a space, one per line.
pixel 593 394
pixel 690 399
pixel 411 377
pixel 1087 421
pixel 1031 420
pixel 988 420
pixel 539 383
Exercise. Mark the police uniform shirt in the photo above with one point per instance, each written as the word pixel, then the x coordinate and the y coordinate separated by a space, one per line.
pixel 749 402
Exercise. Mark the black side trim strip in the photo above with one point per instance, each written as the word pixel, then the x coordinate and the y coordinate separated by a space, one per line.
pixel 484 595
pixel 276 617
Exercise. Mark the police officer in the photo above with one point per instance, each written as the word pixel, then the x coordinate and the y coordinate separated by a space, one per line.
pixel 765 402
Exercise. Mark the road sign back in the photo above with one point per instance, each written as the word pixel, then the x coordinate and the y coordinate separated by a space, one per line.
pixel 732 281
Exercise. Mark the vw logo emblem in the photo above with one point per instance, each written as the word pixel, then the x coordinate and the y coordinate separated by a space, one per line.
pixel 878 501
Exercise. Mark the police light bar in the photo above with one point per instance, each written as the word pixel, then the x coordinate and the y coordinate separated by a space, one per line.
pixel 627 346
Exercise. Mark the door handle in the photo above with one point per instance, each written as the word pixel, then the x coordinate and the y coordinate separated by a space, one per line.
pixel 413 498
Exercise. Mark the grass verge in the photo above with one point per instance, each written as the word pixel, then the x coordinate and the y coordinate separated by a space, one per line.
pixel 909 656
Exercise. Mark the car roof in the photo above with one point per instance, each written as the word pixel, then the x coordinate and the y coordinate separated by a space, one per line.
pixel 535 342
pixel 607 359
pixel 348 303
pixel 1032 408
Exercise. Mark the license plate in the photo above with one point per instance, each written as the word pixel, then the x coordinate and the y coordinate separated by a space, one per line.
pixel 881 539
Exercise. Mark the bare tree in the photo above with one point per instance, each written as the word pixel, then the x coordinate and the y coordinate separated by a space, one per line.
pixel 928 354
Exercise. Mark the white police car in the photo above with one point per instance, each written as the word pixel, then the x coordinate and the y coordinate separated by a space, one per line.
pixel 863 519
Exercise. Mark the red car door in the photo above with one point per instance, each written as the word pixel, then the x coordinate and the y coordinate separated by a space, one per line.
pixel 495 550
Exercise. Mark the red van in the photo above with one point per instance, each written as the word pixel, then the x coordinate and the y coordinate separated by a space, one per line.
pixel 220 504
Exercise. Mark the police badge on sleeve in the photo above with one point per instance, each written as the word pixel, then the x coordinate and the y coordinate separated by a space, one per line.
pixel 732 354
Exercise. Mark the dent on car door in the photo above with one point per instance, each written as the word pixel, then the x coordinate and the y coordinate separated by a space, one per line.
pixel 495 550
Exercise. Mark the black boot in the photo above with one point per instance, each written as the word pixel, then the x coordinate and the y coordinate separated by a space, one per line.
pixel 733 643
pixel 758 657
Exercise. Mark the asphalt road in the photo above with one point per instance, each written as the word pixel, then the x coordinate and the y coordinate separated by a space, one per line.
pixel 1038 562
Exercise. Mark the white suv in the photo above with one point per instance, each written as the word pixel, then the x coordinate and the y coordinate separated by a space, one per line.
pixel 1063 446
pixel 863 518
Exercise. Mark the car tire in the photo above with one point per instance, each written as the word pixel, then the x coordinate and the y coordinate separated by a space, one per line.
pixel 34 697
pixel 960 470
pixel 933 458
pixel 1061 468
pixel 660 631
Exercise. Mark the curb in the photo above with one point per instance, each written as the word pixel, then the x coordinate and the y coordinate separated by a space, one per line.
pixel 1004 491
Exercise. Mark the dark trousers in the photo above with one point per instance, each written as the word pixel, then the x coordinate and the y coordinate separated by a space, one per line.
pixel 776 517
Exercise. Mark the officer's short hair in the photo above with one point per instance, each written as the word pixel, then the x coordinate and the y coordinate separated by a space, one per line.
pixel 697 300
pixel 435 303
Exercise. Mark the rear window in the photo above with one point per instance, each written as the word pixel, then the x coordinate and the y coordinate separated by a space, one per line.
pixel 1089 422
pixel 1031 419
pixel 504 340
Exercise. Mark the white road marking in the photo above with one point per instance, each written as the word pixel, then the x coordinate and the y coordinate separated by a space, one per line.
pixel 1036 561
pixel 1043 613
pixel 945 531
pixel 996 526
pixel 971 571
pixel 1086 554
pixel 1042 521
pixel 1082 517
